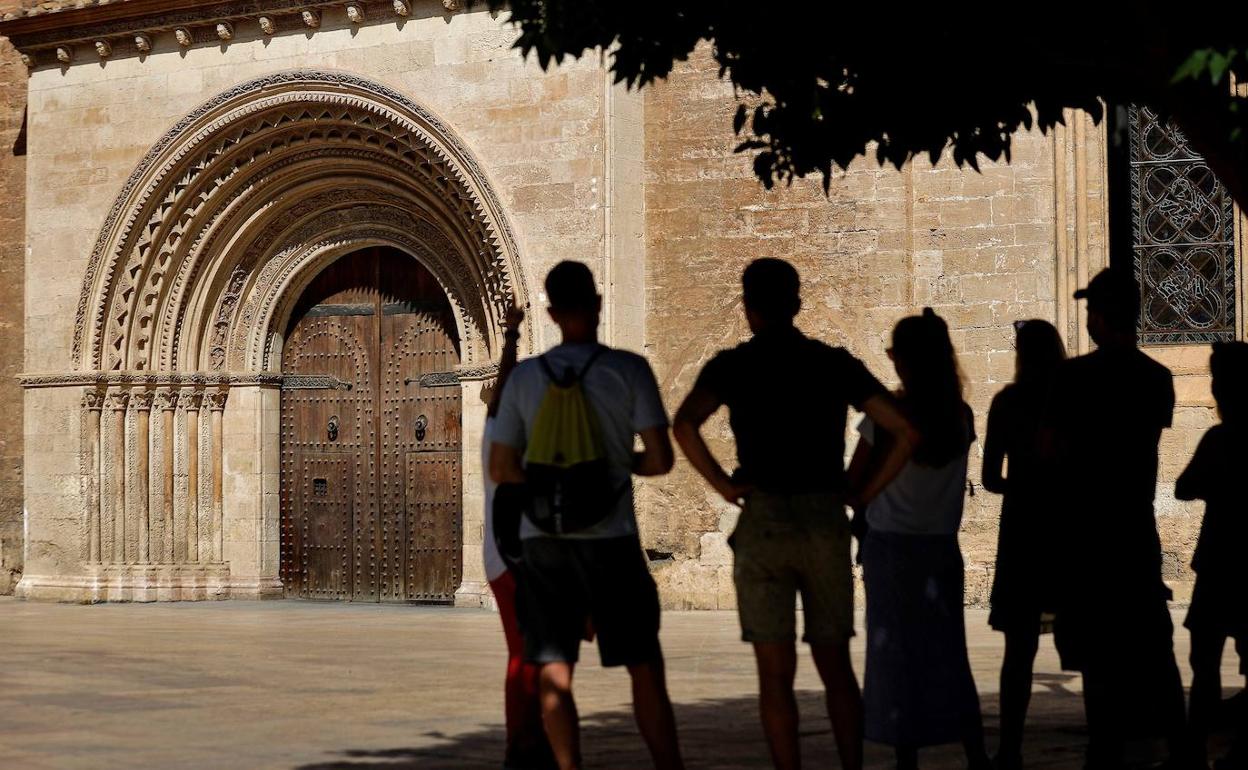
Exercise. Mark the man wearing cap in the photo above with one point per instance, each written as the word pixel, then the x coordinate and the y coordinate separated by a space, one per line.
pixel 1104 423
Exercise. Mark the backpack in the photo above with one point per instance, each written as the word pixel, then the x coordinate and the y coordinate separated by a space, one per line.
pixel 566 466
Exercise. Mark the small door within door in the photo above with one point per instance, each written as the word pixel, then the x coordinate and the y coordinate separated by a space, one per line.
pixel 371 483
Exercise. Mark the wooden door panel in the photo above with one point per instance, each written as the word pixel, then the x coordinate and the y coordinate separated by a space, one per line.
pixel 379 321
pixel 322 526
pixel 434 550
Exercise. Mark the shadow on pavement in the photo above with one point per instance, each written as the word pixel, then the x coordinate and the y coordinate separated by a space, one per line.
pixel 724 735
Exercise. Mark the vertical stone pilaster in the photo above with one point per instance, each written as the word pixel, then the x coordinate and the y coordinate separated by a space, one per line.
pixel 191 399
pixel 216 402
pixel 167 402
pixel 93 404
pixel 118 400
pixel 142 401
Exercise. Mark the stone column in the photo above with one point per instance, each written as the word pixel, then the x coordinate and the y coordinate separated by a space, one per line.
pixel 93 403
pixel 142 401
pixel 216 402
pixel 167 402
pixel 191 400
pixel 117 401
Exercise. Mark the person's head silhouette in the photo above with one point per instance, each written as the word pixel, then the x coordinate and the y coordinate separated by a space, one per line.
pixel 771 293
pixel 931 385
pixel 1229 367
pixel 575 304
pixel 1038 350
pixel 1113 307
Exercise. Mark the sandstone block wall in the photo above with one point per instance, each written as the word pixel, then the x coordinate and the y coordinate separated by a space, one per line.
pixel 977 247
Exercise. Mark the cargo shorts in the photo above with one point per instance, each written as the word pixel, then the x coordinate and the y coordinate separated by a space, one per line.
pixel 790 544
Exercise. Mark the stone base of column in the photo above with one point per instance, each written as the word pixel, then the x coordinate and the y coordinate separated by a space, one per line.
pixel 256 588
pixel 476 594
pixel 131 583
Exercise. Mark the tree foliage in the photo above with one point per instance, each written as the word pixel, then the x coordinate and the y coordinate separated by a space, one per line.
pixel 834 81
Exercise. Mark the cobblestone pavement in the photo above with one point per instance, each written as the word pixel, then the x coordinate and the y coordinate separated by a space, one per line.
pixel 307 686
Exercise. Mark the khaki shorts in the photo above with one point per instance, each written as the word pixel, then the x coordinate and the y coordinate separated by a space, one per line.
pixel 786 544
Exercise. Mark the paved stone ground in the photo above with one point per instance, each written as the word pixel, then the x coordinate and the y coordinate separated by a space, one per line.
pixel 304 686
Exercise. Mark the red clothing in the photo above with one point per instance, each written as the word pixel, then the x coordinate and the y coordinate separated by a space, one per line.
pixel 526 738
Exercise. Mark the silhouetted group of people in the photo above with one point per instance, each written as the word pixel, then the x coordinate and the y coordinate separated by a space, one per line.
pixel 1071 444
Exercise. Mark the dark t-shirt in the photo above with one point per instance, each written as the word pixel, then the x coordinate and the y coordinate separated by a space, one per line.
pixel 788 398
pixel 1107 412
pixel 1214 476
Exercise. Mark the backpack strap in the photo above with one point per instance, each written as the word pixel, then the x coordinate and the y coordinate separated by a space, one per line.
pixel 575 377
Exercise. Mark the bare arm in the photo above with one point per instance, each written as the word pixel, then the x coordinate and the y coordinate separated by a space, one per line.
pixel 697 408
pixel 884 413
pixel 506 465
pixel 656 457
pixel 994 453
pixel 511 344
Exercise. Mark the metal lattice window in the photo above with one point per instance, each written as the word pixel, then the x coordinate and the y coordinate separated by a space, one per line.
pixel 1183 237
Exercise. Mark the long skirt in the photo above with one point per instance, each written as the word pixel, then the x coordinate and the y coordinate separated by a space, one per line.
pixel 918 687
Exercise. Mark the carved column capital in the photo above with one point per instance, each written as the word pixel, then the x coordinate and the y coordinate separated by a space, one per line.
pixel 191 399
pixel 92 399
pixel 142 399
pixel 117 400
pixel 215 399
pixel 166 400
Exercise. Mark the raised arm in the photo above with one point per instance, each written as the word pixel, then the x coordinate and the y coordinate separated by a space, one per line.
pixel 507 362
pixel 994 449
pixel 697 408
pixel 883 411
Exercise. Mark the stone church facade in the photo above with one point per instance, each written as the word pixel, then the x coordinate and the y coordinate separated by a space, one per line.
pixel 215 214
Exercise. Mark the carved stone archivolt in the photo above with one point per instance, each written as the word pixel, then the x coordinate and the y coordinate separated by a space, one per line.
pixel 242 202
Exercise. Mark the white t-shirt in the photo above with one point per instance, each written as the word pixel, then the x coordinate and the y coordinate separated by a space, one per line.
pixel 922 500
pixel 494 564
pixel 621 389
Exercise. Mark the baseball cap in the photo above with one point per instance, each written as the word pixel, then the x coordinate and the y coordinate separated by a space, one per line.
pixel 1113 293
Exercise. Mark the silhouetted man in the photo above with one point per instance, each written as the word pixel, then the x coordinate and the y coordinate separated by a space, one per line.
pixel 597 574
pixel 1104 422
pixel 788 398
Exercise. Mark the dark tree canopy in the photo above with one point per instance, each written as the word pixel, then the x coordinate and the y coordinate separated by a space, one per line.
pixel 839 80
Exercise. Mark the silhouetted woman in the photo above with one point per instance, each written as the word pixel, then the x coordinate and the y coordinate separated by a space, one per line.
pixel 1022 587
pixel 918 686
pixel 1219 609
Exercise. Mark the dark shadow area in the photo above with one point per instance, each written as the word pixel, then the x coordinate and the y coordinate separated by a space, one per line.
pixel 725 735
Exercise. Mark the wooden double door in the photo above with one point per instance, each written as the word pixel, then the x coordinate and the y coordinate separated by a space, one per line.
pixel 371 496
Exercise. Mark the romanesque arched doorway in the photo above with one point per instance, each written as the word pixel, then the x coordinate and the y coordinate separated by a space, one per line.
pixel 370 475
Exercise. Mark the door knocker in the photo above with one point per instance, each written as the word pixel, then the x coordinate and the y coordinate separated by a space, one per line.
pixel 333 428
pixel 422 422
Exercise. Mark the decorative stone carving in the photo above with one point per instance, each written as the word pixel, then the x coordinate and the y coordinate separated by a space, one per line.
pixel 355 12
pixel 452 5
pixel 103 48
pixel 27 61
pixel 225 30
pixel 166 400
pixel 402 8
pixel 267 26
pixel 311 18
pixel 64 54
pixel 183 36
pixel 215 399
pixel 142 399
pixel 168 200
pixel 143 43
pixel 92 400
pixel 190 399
pixel 117 400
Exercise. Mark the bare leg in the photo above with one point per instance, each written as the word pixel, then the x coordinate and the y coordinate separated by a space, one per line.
pixel 844 700
pixel 777 706
pixel 1016 671
pixel 559 715
pixel 652 708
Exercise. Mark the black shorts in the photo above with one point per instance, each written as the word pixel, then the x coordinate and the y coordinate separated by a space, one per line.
pixel 565 584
